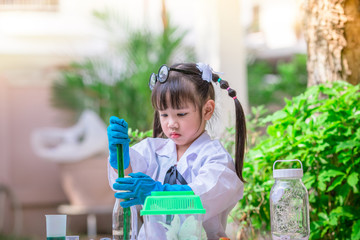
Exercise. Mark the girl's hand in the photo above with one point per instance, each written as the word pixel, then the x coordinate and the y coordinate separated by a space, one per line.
pixel 139 186
pixel 117 133
pixel 136 188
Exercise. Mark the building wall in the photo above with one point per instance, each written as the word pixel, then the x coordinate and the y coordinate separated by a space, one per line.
pixel 25 107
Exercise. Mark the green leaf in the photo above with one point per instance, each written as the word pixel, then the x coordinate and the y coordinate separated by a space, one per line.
pixel 321 147
pixel 327 174
pixel 336 182
pixel 353 179
pixel 358 131
pixel 342 212
pixel 346 145
pixel 334 173
pixel 330 91
pixel 308 180
pixel 321 186
pixel 355 235
pixel 276 116
pixel 324 231
pixel 323 216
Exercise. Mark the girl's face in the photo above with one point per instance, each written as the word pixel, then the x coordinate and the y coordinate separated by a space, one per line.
pixel 184 125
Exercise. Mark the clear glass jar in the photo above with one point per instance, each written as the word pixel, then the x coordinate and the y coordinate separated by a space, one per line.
pixel 121 222
pixel 289 204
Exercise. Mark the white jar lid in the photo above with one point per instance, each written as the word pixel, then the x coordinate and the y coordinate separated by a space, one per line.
pixel 288 173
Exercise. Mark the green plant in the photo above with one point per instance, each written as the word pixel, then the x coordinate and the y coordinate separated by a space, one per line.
pixel 268 85
pixel 260 91
pixel 116 83
pixel 320 127
pixel 254 127
pixel 136 135
pixel 293 75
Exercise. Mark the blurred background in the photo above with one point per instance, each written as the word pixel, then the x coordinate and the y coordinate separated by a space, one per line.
pixel 67 66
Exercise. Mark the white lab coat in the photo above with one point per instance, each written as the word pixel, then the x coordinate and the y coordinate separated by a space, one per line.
pixel 206 166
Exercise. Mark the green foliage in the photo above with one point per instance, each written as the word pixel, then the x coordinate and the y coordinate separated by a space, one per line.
pixel 117 83
pixel 268 85
pixel 320 127
pixel 136 135
pixel 13 237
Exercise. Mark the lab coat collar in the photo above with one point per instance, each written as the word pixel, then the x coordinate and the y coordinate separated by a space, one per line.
pixel 169 148
pixel 192 152
pixel 199 141
pixel 166 149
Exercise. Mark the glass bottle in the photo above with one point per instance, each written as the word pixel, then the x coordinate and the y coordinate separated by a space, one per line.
pixel 121 222
pixel 289 204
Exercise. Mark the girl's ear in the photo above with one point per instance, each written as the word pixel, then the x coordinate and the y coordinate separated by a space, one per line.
pixel 208 109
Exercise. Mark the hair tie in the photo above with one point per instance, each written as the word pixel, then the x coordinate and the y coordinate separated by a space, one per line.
pixel 228 89
pixel 235 97
pixel 219 80
pixel 207 72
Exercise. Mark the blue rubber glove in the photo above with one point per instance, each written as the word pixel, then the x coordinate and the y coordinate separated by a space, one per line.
pixel 117 133
pixel 139 186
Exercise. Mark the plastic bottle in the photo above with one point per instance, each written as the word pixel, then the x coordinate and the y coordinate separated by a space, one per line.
pixel 289 204
pixel 121 222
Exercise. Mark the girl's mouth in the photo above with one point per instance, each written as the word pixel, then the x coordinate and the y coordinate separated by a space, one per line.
pixel 174 135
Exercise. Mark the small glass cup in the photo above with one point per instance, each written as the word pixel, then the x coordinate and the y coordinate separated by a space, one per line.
pixel 55 227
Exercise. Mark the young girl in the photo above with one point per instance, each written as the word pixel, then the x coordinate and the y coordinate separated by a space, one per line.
pixel 181 156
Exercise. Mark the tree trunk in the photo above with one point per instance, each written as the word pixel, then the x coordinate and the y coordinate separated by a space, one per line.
pixel 332 33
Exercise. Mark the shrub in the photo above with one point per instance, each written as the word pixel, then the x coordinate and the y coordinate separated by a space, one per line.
pixel 320 127
pixel 268 85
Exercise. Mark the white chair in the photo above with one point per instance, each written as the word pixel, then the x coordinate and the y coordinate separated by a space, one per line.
pixel 85 139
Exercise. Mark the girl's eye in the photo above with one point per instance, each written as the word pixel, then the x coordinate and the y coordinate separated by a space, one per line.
pixel 181 114
pixel 163 115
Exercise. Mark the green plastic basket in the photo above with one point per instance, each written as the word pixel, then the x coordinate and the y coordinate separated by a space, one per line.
pixel 181 202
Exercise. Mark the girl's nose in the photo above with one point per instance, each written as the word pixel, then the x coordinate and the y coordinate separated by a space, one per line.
pixel 173 124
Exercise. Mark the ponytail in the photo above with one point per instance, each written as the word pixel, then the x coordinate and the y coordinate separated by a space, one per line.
pixel 240 127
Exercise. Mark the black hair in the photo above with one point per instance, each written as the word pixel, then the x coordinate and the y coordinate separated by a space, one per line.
pixel 181 87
